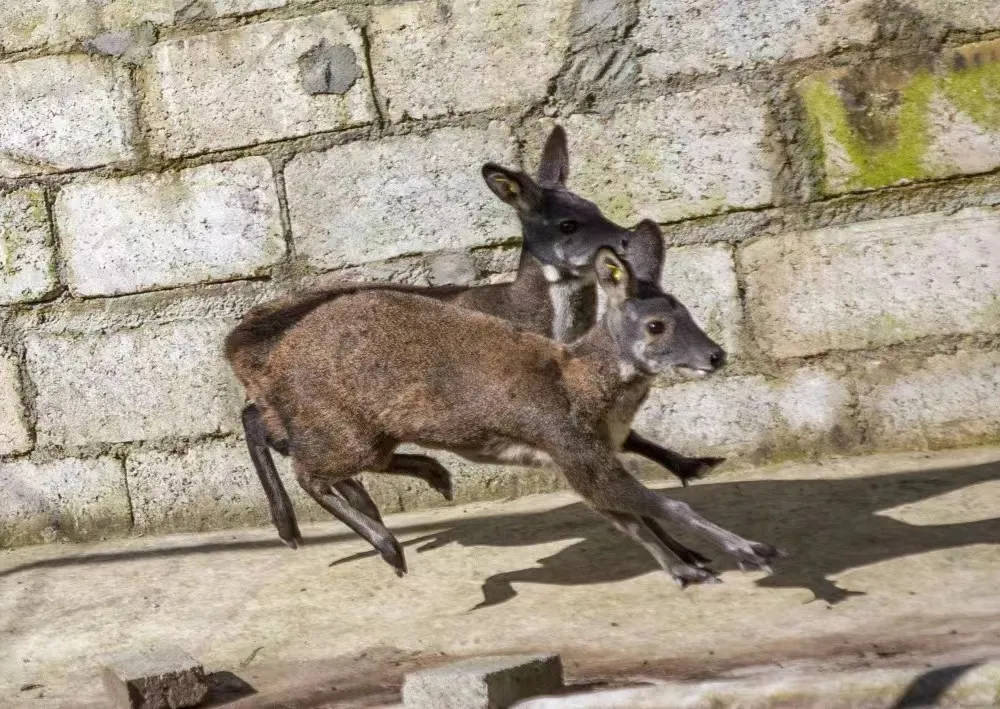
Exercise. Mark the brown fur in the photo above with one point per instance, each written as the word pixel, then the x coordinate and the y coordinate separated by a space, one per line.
pixel 369 370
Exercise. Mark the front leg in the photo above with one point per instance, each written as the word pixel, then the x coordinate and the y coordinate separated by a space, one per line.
pixel 599 477
pixel 673 557
pixel 683 467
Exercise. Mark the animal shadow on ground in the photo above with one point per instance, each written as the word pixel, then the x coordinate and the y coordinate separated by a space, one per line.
pixel 825 526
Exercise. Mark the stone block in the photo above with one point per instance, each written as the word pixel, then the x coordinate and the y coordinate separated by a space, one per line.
pixel 900 121
pixel 154 381
pixel 970 15
pixel 71 499
pixel 691 154
pixel 874 283
pixel 27 256
pixel 253 84
pixel 162 677
pixel 704 279
pixel 944 401
pixel 15 437
pixel 34 23
pixel 62 113
pixel 701 36
pixel 750 415
pixel 208 223
pixel 434 59
pixel 493 682
pixel 368 201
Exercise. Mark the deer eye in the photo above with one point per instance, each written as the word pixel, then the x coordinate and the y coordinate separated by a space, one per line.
pixel 655 327
pixel 568 226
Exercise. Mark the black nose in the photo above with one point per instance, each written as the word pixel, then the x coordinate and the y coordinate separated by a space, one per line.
pixel 717 358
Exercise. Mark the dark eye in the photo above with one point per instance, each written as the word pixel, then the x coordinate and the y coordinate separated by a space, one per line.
pixel 568 226
pixel 655 327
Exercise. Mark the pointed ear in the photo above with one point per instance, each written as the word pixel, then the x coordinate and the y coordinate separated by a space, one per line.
pixel 645 251
pixel 513 187
pixel 554 168
pixel 613 275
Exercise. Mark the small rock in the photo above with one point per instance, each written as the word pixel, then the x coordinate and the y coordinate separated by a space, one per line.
pixel 162 677
pixel 483 682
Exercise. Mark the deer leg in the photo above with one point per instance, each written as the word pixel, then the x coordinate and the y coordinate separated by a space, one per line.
pixel 683 573
pixel 688 556
pixel 683 467
pixel 282 512
pixel 598 476
pixel 422 467
pixel 364 526
pixel 357 497
pixel 425 468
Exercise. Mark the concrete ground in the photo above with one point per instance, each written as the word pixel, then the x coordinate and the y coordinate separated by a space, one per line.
pixel 893 561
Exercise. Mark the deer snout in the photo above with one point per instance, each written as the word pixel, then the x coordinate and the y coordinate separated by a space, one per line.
pixel 717 358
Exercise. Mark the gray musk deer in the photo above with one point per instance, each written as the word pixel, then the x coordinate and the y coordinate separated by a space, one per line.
pixel 372 369
pixel 551 295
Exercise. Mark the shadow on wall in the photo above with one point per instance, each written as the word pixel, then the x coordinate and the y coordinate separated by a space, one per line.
pixel 826 526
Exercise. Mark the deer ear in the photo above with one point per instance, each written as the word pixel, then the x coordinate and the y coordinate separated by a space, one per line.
pixel 645 251
pixel 554 168
pixel 613 275
pixel 513 187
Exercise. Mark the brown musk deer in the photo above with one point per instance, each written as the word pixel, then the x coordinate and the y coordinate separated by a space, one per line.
pixel 552 295
pixel 372 369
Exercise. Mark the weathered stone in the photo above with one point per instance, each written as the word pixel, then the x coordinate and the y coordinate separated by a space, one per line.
pixel 132 44
pixel 974 15
pixel 207 486
pixel 433 59
pixel 63 112
pixel 243 86
pixel 598 21
pixel 948 400
pixel 206 223
pixel 34 23
pixel 148 383
pixel 14 434
pixel 70 498
pixel 695 153
pixel 363 202
pixel 704 279
pixel 874 283
pixel 27 257
pixel 491 682
pixel 163 677
pixel 329 69
pixel 907 120
pixel 697 36
pixel 807 412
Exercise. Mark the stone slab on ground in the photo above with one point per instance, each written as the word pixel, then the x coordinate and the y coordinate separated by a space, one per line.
pixel 162 677
pixel 493 682
pixel 971 686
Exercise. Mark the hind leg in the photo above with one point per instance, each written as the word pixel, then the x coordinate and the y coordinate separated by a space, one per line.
pixel 328 453
pixel 422 467
pixel 357 497
pixel 372 531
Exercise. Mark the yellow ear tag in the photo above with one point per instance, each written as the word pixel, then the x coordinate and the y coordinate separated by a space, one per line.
pixel 614 272
pixel 509 185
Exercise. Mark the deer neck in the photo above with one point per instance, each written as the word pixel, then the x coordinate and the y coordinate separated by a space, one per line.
pixel 572 302
pixel 599 349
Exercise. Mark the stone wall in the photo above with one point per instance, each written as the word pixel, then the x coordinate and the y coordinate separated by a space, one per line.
pixel 824 172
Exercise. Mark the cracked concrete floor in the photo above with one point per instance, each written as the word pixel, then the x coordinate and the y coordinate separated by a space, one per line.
pixel 893 559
